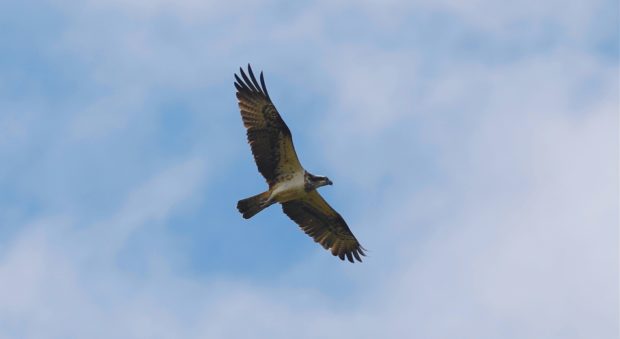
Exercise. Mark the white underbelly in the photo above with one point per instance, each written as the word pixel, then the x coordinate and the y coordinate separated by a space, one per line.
pixel 289 190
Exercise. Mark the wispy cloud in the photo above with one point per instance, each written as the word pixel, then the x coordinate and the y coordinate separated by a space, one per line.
pixel 473 147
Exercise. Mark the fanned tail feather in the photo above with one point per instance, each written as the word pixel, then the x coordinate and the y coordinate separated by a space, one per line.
pixel 249 207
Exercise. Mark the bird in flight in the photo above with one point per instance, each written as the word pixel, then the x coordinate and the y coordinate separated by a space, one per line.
pixel 289 183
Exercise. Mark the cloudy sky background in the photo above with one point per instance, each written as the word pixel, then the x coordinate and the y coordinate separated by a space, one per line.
pixel 473 146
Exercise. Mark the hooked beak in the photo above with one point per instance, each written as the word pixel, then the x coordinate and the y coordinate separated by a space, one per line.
pixel 329 182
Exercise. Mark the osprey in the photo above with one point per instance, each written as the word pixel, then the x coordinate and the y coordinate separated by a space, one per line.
pixel 289 183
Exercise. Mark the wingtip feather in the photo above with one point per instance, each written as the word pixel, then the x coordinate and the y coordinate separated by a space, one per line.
pixel 262 83
pixel 248 82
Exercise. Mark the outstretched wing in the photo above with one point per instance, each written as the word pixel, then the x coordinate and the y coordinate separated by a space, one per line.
pixel 268 135
pixel 320 221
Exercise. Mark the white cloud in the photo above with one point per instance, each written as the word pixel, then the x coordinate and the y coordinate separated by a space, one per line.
pixel 58 278
pixel 516 237
pixel 105 115
pixel 532 260
pixel 150 203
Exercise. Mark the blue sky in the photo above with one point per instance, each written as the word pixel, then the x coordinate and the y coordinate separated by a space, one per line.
pixel 473 148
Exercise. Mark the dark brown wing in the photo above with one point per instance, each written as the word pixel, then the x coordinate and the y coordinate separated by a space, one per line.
pixel 325 225
pixel 268 135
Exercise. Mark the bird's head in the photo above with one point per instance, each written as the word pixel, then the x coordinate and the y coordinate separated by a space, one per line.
pixel 317 181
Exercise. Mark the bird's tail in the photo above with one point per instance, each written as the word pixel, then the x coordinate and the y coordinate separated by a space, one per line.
pixel 249 207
